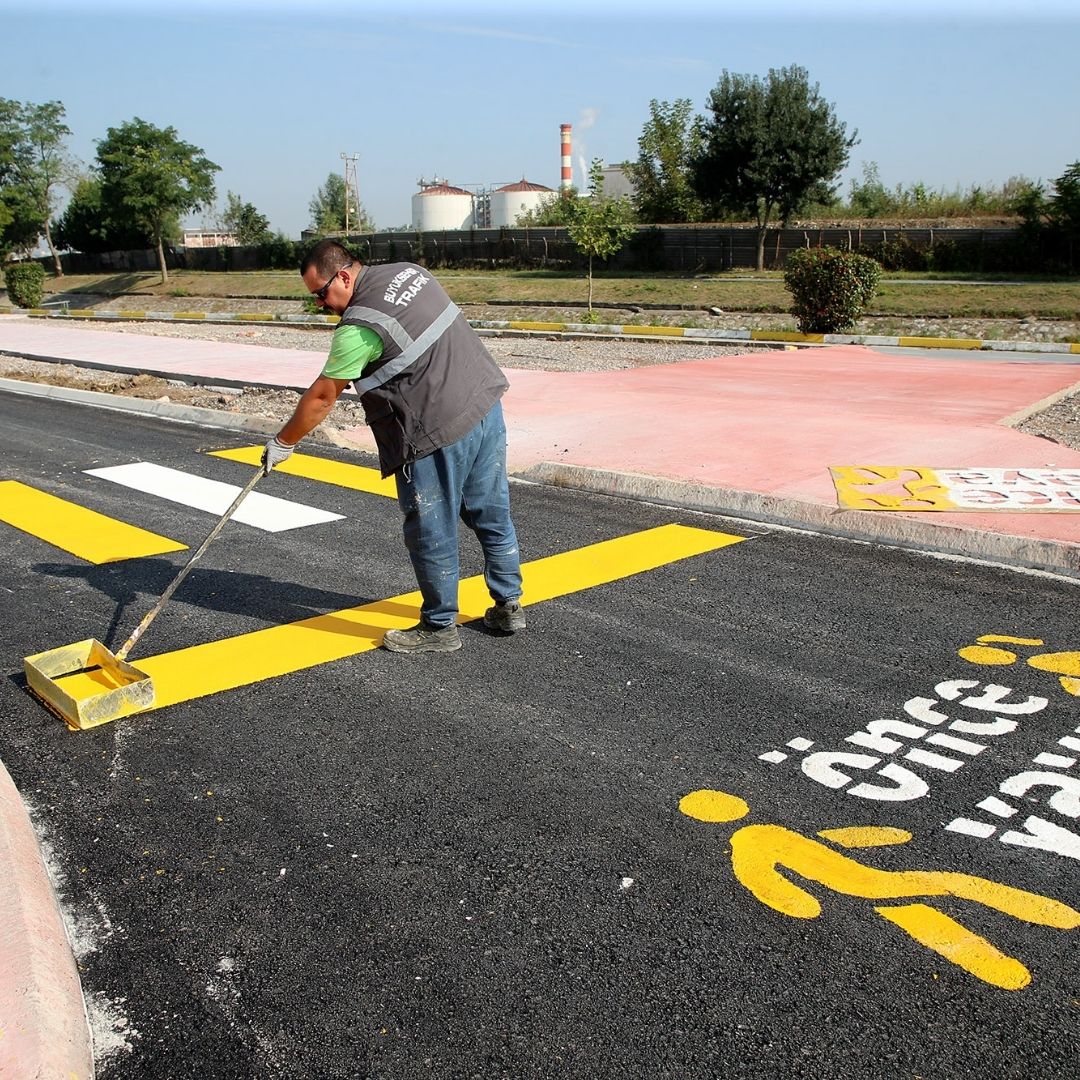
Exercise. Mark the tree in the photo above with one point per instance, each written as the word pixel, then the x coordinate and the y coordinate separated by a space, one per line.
pixel 662 174
pixel 869 199
pixel 20 203
pixel 244 221
pixel 770 148
pixel 599 225
pixel 85 226
pixel 551 212
pixel 152 178
pixel 327 209
pixel 45 132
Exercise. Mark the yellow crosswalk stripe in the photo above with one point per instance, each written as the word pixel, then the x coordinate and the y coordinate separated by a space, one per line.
pixel 280 650
pixel 310 467
pixel 84 533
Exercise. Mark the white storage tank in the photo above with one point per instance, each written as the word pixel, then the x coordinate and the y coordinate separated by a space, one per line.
pixel 438 205
pixel 512 200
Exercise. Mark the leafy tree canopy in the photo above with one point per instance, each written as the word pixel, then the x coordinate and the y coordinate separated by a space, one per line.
pixel 327 209
pixel 669 143
pixel 151 178
pixel 33 162
pixel 771 146
pixel 84 225
pixel 244 221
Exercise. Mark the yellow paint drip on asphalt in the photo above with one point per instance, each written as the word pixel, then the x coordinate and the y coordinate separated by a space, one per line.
pixel 315 468
pixel 84 533
pixel 280 650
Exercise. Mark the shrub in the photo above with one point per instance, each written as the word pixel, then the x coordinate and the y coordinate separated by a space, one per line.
pixel 25 283
pixel 830 288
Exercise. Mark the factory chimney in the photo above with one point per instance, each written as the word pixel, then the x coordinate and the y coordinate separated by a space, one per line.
pixel 567 180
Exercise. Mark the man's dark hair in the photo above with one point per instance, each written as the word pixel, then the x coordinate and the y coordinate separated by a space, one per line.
pixel 327 256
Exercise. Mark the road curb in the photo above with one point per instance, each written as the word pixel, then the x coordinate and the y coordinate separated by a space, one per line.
pixel 44 1031
pixel 896 530
pixel 890 528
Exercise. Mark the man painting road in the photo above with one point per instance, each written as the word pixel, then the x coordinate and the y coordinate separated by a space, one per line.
pixel 431 393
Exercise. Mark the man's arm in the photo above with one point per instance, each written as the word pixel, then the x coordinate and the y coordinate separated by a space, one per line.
pixel 311 410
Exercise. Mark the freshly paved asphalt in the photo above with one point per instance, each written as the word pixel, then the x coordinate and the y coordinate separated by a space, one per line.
pixel 751 436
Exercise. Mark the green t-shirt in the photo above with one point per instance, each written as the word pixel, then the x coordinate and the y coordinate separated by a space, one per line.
pixel 352 349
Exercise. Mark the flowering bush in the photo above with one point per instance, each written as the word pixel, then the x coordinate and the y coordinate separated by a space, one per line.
pixel 831 288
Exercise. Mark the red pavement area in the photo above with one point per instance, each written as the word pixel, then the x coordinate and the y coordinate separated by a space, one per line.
pixel 767 422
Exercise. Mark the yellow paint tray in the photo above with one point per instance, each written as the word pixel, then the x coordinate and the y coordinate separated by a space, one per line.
pixel 86 685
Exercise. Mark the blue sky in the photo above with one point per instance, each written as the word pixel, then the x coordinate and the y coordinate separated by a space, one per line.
pixel 947 92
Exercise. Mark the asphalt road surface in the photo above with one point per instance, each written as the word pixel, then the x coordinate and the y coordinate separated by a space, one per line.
pixel 560 853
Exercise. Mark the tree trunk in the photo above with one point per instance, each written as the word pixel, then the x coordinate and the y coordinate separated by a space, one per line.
pixel 590 284
pixel 161 261
pixel 762 230
pixel 58 267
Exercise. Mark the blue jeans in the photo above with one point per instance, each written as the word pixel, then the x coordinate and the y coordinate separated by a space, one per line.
pixel 465 480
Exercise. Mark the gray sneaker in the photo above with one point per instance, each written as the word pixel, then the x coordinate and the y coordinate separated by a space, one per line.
pixel 507 616
pixel 423 638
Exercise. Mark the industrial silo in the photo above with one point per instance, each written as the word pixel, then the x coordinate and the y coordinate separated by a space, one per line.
pixel 438 205
pixel 512 200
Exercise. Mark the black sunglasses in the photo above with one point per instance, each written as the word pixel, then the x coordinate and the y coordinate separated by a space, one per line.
pixel 320 294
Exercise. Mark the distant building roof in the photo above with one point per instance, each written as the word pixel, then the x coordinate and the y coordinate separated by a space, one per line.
pixel 442 189
pixel 524 185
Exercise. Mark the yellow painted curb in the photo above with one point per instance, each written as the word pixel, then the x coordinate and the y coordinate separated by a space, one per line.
pixel 189 314
pixel 939 343
pixel 658 331
pixel 785 335
pixel 557 326
pixel 253 316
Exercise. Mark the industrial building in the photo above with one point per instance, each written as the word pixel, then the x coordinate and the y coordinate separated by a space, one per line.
pixel 440 206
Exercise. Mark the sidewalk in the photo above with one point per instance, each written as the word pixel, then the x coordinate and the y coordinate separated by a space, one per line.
pixel 749 436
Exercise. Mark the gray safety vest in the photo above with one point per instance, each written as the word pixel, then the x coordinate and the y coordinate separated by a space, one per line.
pixel 435 381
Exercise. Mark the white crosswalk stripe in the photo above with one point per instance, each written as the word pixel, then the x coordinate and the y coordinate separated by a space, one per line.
pixel 264 512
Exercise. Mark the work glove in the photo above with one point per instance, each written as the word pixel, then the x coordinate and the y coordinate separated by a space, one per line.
pixel 274 453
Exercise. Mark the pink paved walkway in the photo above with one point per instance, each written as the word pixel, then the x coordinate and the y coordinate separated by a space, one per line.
pixel 769 423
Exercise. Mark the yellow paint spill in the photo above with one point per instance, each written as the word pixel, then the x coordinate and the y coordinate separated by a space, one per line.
pixel 279 650
pixel 340 473
pixel 84 533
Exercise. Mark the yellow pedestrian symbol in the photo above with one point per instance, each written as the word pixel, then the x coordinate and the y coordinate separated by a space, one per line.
pixel 1066 665
pixel 760 852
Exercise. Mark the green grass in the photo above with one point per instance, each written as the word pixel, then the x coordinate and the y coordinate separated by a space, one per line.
pixel 906 296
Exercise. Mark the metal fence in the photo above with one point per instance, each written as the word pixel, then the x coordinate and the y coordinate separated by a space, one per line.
pixel 670 248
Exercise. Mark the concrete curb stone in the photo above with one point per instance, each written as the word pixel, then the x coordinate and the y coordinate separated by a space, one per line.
pixel 44 1032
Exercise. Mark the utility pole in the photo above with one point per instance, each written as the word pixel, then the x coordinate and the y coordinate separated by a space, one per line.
pixel 351 187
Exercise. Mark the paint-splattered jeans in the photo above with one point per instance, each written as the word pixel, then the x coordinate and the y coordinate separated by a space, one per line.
pixel 468 480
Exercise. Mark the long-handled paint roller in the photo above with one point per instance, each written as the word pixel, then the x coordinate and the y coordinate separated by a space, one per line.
pixel 85 684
